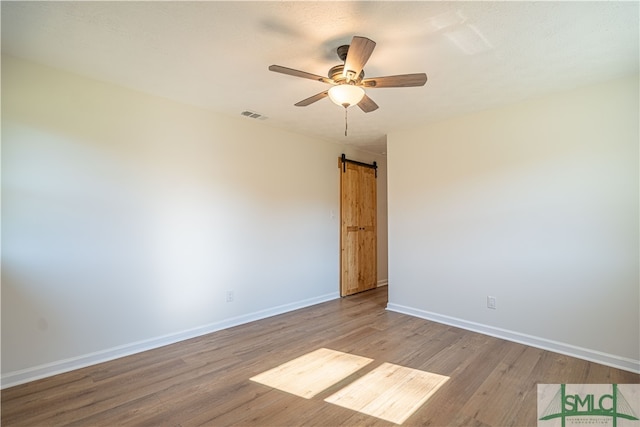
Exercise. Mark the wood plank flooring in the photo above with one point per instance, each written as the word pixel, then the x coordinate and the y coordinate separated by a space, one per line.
pixel 206 380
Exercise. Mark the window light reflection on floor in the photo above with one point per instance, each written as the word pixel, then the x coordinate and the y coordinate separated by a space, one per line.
pixel 312 373
pixel 389 392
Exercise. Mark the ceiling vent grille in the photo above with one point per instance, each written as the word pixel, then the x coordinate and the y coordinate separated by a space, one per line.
pixel 253 115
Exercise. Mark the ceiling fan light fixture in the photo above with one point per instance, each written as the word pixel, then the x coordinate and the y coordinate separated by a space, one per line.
pixel 346 95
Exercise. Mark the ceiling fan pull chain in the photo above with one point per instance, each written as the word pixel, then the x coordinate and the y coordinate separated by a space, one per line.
pixel 345 121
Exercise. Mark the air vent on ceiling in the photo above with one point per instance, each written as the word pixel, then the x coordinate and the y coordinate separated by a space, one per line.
pixel 253 115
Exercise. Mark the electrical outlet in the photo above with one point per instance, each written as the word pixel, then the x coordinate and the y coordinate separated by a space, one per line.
pixel 491 303
pixel 230 296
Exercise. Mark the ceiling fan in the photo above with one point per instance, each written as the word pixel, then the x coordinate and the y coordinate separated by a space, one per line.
pixel 348 79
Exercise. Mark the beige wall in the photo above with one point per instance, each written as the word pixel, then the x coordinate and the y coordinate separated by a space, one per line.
pixel 127 218
pixel 535 204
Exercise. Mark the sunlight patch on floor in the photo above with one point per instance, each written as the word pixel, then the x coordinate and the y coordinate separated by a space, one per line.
pixel 390 392
pixel 312 373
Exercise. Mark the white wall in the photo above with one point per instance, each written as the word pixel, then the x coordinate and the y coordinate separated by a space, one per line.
pixel 383 255
pixel 127 218
pixel 535 204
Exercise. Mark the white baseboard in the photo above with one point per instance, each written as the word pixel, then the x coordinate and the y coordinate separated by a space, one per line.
pixel 42 371
pixel 533 341
pixel 384 282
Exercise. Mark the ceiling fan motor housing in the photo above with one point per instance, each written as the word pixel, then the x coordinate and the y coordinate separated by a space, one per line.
pixel 335 74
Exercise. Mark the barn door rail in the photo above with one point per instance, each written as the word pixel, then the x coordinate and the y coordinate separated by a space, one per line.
pixel 373 166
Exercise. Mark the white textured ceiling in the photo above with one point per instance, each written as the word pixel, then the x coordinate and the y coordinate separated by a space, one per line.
pixel 477 55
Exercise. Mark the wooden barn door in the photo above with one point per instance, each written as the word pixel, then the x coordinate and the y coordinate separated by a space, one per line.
pixel 358 231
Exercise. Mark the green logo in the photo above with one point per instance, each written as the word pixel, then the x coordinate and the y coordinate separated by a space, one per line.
pixel 581 407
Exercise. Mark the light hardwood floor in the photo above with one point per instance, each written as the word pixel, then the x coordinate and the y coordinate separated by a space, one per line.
pixel 206 380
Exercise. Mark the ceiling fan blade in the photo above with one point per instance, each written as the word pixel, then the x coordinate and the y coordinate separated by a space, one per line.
pixel 298 73
pixel 367 105
pixel 312 99
pixel 404 80
pixel 359 52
